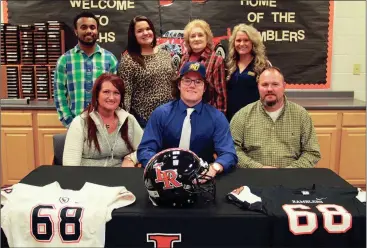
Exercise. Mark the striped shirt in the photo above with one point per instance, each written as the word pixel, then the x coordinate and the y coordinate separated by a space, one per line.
pixel 215 75
pixel 290 141
pixel 75 74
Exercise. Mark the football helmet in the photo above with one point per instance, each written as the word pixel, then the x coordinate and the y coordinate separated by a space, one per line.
pixel 172 178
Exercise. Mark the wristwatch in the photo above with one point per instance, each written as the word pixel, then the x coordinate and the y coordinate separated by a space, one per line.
pixel 217 167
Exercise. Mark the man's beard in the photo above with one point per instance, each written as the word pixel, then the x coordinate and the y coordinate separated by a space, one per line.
pixel 269 103
pixel 87 43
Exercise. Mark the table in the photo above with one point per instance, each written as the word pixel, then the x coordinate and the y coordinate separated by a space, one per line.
pixel 216 225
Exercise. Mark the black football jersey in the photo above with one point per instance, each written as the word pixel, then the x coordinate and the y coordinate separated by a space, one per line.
pixel 314 217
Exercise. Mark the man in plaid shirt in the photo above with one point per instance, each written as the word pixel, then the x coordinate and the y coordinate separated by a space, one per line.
pixel 274 132
pixel 77 69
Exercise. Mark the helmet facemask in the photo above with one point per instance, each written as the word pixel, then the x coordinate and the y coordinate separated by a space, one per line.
pixel 207 189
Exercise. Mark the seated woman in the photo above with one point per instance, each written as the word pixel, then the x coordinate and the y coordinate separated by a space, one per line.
pixel 104 134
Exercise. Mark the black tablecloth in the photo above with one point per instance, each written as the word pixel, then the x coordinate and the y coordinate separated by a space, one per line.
pixel 216 225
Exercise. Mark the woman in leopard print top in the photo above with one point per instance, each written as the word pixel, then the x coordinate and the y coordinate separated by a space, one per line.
pixel 146 70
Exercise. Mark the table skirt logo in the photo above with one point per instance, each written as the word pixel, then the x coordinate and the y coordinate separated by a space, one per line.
pixel 164 240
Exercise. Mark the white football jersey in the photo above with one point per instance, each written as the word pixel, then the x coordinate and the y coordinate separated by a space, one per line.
pixel 50 216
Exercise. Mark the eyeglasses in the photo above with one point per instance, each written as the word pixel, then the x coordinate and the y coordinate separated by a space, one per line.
pixel 188 81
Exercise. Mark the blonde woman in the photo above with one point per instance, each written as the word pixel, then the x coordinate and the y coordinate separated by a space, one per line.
pixel 246 60
pixel 199 43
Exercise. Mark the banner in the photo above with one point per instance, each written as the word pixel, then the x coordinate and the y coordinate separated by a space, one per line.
pixel 297 34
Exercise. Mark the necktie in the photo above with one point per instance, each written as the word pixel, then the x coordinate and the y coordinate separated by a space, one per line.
pixel 186 131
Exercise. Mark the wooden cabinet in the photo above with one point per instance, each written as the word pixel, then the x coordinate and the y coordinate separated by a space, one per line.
pixel 353 148
pixel 45 144
pixel 17 146
pixel 324 119
pixel 327 137
pixel 353 155
pixel 17 154
pixel 354 119
pixel 26 142
pixel 342 139
pixel 16 119
pixel 48 126
pixel 327 134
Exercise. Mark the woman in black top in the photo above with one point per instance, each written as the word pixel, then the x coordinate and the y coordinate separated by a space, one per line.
pixel 246 60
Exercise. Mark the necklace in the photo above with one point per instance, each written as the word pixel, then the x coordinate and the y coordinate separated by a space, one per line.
pixel 108 126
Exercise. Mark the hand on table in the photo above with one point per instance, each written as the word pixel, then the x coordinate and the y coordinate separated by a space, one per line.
pixel 269 167
pixel 127 163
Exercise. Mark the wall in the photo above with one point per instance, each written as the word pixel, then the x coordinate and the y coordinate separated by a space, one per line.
pixel 349 47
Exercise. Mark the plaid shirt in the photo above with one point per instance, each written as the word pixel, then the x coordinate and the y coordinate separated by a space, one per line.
pixel 290 141
pixel 75 74
pixel 215 75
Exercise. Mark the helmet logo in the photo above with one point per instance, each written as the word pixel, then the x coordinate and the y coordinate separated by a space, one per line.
pixel 168 177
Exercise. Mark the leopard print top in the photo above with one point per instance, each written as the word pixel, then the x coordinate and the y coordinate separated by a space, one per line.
pixel 146 89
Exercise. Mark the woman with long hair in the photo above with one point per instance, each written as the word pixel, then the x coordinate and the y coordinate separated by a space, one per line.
pixel 104 134
pixel 199 43
pixel 146 69
pixel 246 60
